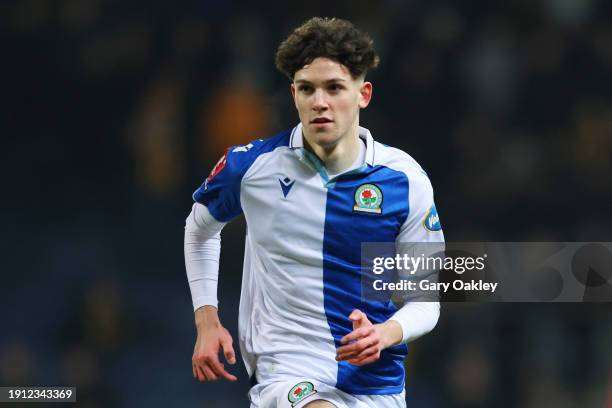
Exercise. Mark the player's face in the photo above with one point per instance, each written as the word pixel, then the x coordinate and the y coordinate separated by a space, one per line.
pixel 328 100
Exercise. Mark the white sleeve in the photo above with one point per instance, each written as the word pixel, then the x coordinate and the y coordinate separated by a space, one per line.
pixel 202 250
pixel 417 319
pixel 421 233
pixel 422 223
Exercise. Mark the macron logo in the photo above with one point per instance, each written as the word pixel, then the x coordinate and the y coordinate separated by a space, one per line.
pixel 286 185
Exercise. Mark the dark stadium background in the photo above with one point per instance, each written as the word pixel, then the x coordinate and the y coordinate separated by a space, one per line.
pixel 113 112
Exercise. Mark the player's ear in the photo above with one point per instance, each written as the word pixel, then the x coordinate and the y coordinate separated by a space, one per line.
pixel 365 94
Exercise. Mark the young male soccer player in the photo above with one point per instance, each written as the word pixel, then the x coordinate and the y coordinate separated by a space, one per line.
pixel 310 196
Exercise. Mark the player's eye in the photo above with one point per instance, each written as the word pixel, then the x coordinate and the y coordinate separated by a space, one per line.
pixel 305 88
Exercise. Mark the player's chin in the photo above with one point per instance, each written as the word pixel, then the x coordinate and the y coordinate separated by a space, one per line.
pixel 327 138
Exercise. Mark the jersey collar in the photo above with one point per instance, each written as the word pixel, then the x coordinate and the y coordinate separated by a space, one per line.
pixel 297 141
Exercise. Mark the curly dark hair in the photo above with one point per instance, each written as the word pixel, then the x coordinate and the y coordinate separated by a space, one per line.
pixel 331 38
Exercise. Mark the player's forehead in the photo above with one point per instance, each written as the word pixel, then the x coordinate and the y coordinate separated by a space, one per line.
pixel 323 70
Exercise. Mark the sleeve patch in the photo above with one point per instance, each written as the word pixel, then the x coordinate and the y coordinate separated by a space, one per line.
pixel 216 170
pixel 432 220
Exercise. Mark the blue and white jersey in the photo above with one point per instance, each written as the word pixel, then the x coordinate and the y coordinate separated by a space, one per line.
pixel 302 265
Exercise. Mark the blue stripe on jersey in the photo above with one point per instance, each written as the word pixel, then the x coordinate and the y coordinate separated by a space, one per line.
pixel 222 194
pixel 345 230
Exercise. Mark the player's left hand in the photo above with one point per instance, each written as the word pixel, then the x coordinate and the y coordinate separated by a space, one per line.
pixel 364 344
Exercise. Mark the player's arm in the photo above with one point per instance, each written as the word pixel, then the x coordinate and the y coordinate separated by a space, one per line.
pixel 415 318
pixel 365 343
pixel 202 250
pixel 420 235
pixel 367 340
pixel 217 201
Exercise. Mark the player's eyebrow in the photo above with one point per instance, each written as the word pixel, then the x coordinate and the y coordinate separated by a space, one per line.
pixel 328 81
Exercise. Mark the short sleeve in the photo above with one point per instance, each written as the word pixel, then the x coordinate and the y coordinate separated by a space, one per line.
pixel 423 222
pixel 420 236
pixel 220 192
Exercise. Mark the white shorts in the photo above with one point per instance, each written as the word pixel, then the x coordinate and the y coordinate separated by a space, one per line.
pixel 298 392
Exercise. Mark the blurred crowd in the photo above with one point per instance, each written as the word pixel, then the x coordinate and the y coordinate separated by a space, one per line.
pixel 114 112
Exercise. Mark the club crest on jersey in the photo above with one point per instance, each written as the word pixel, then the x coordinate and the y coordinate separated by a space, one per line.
pixel 432 220
pixel 368 199
pixel 300 391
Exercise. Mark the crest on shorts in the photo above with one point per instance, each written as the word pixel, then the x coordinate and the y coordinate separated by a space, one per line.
pixel 300 391
pixel 368 199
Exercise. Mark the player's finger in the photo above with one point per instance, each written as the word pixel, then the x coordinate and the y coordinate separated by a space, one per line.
pixel 228 351
pixel 347 356
pixel 359 345
pixel 219 370
pixel 196 375
pixel 368 360
pixel 200 373
pixel 351 355
pixel 356 315
pixel 369 356
pixel 230 355
pixel 194 366
pixel 355 349
pixel 370 351
pixel 358 333
pixel 355 335
pixel 348 353
pixel 359 319
pixel 210 375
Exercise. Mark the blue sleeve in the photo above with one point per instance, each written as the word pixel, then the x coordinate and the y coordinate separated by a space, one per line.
pixel 220 192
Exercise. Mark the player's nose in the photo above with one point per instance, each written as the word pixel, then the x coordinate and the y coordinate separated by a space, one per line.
pixel 319 100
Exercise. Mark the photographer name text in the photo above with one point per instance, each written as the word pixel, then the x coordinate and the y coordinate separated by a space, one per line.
pixel 425 285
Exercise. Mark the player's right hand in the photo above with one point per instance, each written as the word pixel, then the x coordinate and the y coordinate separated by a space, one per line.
pixel 212 338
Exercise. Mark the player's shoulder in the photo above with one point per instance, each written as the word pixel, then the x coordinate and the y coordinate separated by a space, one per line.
pixel 260 146
pixel 398 160
pixel 273 142
pixel 240 158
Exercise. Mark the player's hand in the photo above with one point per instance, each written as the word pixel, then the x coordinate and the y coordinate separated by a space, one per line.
pixel 212 338
pixel 364 344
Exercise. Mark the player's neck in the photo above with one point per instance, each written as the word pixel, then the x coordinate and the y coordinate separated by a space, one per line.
pixel 340 156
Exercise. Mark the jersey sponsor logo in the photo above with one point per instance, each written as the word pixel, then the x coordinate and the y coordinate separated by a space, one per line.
pixel 300 391
pixel 286 185
pixel 368 199
pixel 216 170
pixel 432 220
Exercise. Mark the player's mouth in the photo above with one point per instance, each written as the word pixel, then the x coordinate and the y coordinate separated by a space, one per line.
pixel 320 122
